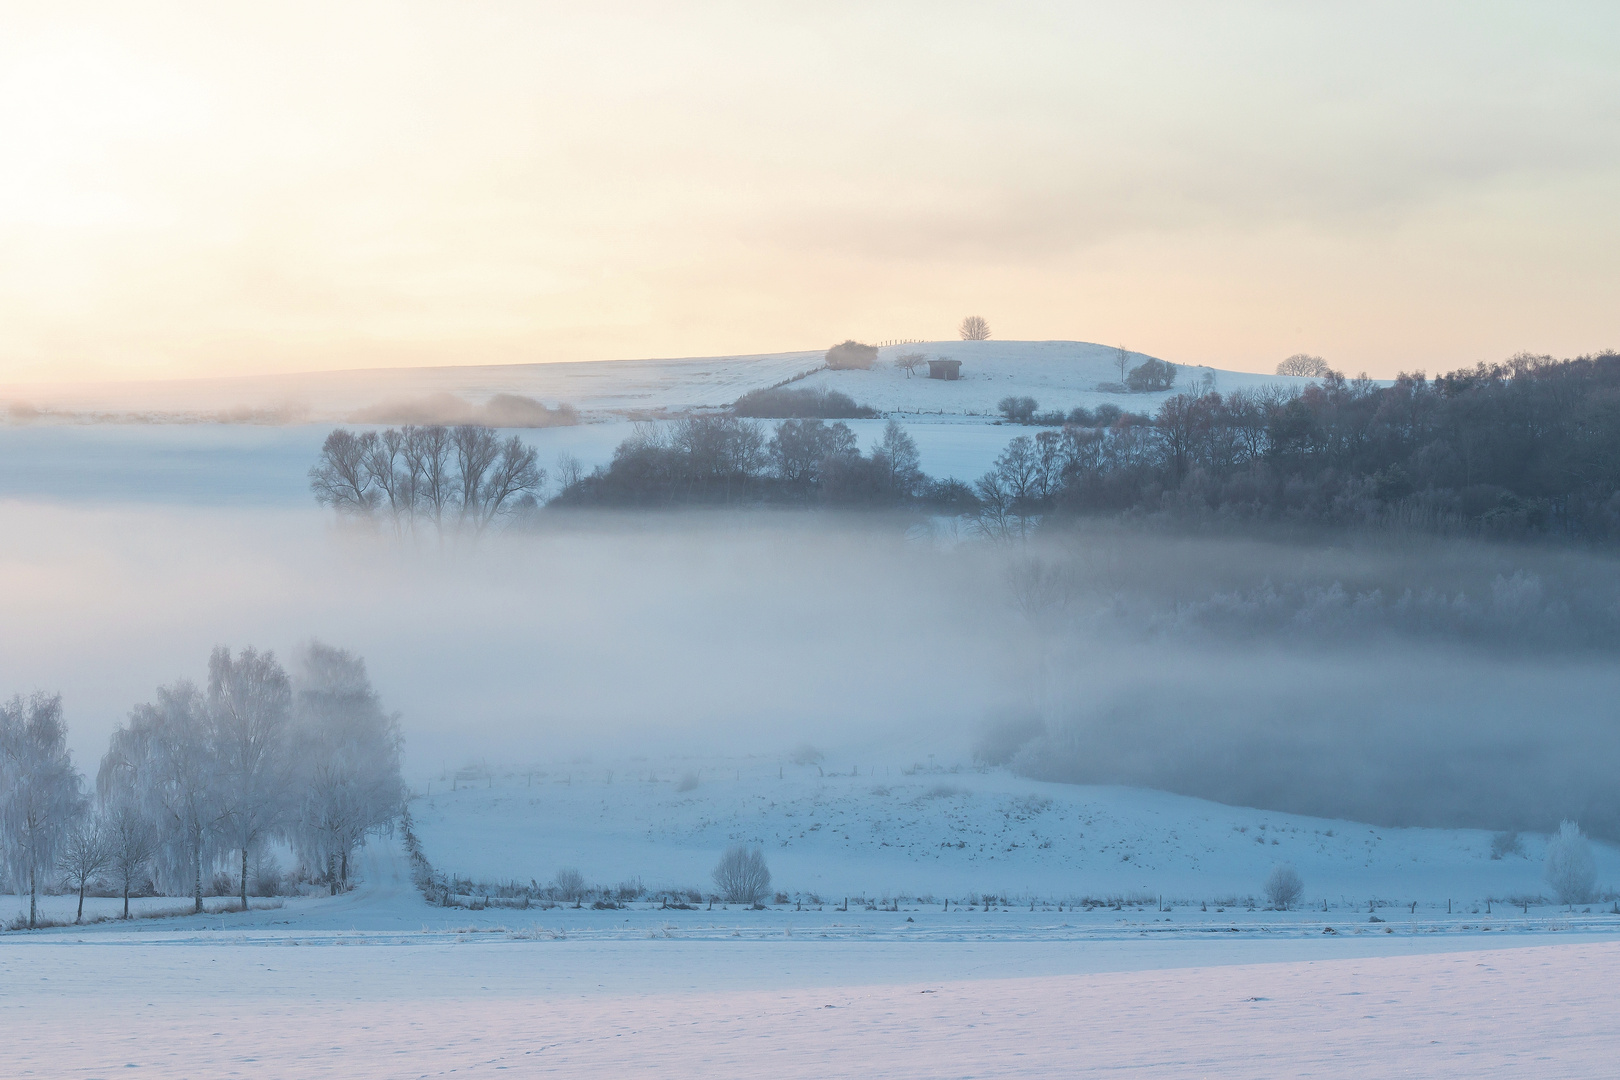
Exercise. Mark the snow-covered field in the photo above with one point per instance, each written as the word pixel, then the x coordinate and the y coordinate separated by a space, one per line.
pixel 882 831
pixel 377 984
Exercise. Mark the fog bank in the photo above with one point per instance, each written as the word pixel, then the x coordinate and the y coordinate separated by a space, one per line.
pixel 1424 682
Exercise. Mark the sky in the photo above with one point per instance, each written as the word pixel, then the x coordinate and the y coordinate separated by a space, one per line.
pixel 200 189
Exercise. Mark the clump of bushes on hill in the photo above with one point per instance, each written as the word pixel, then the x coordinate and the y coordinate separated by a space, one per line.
pixel 787 403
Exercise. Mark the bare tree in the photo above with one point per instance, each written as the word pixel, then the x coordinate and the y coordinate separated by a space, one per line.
pixel 996 514
pixel 741 875
pixel 570 470
pixel 342 477
pixel 427 452
pixel 131 843
pixel 910 362
pixel 40 796
pixel 476 449
pixel 84 855
pixel 1122 360
pixel 1284 887
pixel 896 455
pixel 391 480
pixel 249 710
pixel 974 328
pixel 514 476
pixel 1304 364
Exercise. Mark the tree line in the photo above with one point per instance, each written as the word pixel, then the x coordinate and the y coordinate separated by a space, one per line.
pixel 203 777
pixel 729 459
pixel 427 477
pixel 1530 446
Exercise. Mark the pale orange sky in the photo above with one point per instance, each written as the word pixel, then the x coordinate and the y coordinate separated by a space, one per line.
pixel 198 189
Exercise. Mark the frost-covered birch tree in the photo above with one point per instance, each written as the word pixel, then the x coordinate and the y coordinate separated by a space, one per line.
pixel 249 706
pixel 162 763
pixel 349 753
pixel 41 793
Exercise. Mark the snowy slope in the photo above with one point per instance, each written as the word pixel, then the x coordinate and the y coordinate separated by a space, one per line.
pixel 939 834
pixel 601 387
pixel 1058 374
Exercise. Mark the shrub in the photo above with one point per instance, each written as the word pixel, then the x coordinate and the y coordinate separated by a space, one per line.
pixel 803 403
pixel 1506 843
pixel 1150 376
pixel 1018 409
pixel 741 875
pixel 1570 869
pixel 1284 887
pixel 570 884
pixel 851 354
pixel 688 781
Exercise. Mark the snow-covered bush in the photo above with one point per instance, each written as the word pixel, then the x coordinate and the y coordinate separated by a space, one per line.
pixel 688 781
pixel 570 885
pixel 805 754
pixel 742 876
pixel 1570 869
pixel 1284 887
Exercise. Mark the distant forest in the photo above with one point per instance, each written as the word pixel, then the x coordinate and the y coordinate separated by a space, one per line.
pixel 1526 447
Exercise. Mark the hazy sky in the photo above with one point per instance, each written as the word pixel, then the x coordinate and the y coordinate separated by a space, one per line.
pixel 230 188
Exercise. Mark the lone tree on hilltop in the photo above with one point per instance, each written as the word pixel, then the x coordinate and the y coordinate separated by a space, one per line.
pixel 1304 364
pixel 974 328
pixel 741 875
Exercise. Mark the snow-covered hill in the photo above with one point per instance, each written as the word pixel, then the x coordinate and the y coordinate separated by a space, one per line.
pixel 1058 374
pixel 877 831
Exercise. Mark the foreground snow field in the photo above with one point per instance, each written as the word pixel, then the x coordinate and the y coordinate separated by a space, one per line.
pixel 375 983
pixel 229 1003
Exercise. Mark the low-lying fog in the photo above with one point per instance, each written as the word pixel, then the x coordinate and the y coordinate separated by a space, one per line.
pixel 1427 682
